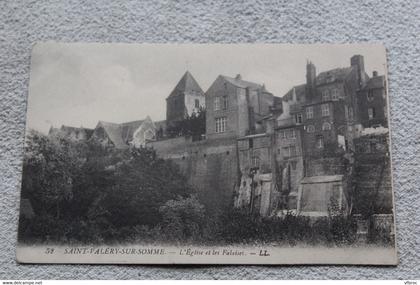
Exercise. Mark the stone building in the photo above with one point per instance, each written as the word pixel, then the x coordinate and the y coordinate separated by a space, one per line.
pixel 372 102
pixel 233 107
pixel 124 135
pixel 273 155
pixel 333 109
pixel 187 97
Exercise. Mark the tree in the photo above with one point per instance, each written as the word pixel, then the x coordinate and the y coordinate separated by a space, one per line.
pixel 182 219
pixel 84 192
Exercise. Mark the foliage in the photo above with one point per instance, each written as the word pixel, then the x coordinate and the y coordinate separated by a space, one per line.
pixel 193 125
pixel 182 219
pixel 84 192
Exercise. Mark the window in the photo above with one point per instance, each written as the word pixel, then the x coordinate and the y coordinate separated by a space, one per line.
pixel 289 151
pixel 325 95
pixel 282 134
pixel 217 103
pixel 370 95
pixel 197 103
pixel 371 113
pixel 309 112
pixel 298 118
pixel 292 150
pixel 311 129
pixel 334 94
pixel 293 164
pixel 220 125
pixel 319 142
pixel 326 126
pixel 292 134
pixel 351 114
pixel 255 161
pixel 225 102
pixel 325 109
pixel 251 143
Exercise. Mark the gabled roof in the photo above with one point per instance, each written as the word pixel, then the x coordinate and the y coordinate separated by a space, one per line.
pixel 66 130
pixel 187 84
pixel 128 129
pixel 299 91
pixel 337 74
pixel 242 83
pixel 114 133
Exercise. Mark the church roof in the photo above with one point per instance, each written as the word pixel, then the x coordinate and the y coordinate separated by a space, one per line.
pixel 187 84
pixel 242 83
pixel 128 129
pixel 114 133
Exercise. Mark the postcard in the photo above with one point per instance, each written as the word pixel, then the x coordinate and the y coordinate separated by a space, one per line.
pixel 207 154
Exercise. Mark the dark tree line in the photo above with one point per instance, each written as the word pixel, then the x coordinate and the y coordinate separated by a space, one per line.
pixel 83 192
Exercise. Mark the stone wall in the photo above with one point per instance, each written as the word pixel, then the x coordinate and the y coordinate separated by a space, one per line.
pixel 325 166
pixel 211 167
pixel 373 174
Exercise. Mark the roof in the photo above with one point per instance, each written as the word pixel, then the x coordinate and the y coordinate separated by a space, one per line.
pixel 114 133
pixel 187 83
pixel 242 83
pixel 299 91
pixel 66 130
pixel 322 179
pixel 128 129
pixel 337 74
pixel 375 82
pixel 69 129
pixel 277 100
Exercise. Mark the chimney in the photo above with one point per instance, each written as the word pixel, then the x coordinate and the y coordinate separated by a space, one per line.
pixel 358 62
pixel 238 77
pixel 310 77
pixel 374 73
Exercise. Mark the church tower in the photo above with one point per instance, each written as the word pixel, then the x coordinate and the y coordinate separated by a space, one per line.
pixel 186 98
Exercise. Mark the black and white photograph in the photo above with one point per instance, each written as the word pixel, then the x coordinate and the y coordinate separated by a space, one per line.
pixel 207 154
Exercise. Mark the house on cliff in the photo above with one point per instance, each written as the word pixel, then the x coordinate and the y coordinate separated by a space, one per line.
pixel 317 129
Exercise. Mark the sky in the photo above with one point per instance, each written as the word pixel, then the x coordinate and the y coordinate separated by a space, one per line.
pixel 79 84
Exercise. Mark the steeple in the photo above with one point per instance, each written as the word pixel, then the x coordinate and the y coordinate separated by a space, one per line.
pixel 187 83
pixel 187 97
